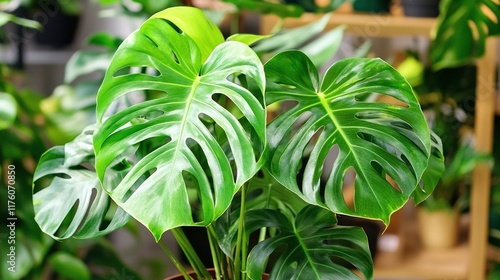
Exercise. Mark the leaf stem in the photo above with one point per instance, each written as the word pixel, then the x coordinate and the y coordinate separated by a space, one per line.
pixel 176 262
pixel 187 248
pixel 215 252
pixel 240 243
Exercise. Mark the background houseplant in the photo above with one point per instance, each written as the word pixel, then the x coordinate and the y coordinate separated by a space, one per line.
pixel 151 157
pixel 23 130
pixel 448 107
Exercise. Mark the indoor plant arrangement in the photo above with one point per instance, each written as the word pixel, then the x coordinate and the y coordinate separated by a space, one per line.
pixel 202 142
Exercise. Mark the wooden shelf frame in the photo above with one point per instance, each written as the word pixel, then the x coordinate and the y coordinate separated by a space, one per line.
pixel 474 253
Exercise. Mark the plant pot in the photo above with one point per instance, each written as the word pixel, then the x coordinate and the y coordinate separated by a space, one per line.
pixel 438 229
pixel 59 29
pixel 265 276
pixel 372 6
pixel 420 8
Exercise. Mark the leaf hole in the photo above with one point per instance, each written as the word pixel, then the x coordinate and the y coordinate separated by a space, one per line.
pixel 137 183
pixel 194 197
pixel 174 57
pixel 144 70
pixel 288 86
pixel 348 190
pixel 174 26
pixel 390 100
pixel 122 72
pixel 68 218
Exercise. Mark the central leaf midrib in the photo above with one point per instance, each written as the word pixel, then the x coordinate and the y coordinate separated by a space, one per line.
pixel 305 248
pixel 189 102
pixel 325 104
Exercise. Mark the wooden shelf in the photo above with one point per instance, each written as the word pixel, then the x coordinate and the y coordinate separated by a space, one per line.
pixel 467 261
pixel 449 264
pixel 413 261
pixel 362 24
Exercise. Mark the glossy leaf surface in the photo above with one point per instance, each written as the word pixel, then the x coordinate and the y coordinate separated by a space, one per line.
pixel 309 247
pixel 184 139
pixel 68 198
pixel 373 139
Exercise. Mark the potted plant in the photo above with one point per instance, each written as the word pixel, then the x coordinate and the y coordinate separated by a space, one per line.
pixel 202 141
pixel 438 216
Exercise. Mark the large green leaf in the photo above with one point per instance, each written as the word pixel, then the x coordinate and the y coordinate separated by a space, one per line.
pixel 311 247
pixel 67 196
pixel 462 29
pixel 184 138
pixel 376 140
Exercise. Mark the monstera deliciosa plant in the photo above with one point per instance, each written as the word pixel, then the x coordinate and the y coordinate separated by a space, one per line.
pixel 199 151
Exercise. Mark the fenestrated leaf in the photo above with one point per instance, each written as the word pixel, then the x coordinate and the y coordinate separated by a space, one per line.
pixel 432 174
pixel 199 28
pixel 311 246
pixel 74 194
pixel 181 134
pixel 86 62
pixel 335 114
pixel 462 29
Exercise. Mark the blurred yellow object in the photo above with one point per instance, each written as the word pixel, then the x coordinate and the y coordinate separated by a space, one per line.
pixel 412 70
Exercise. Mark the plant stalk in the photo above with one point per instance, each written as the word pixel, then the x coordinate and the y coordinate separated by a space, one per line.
pixel 194 260
pixel 176 262
pixel 215 252
pixel 240 244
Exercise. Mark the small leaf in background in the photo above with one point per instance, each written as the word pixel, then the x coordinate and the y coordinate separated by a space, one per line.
pixel 462 29
pixel 69 266
pixel 66 189
pixel 292 38
pixel 247 39
pixel 86 62
pixel 8 110
pixel 325 47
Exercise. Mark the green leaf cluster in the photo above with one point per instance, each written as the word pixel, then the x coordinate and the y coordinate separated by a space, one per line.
pixel 201 152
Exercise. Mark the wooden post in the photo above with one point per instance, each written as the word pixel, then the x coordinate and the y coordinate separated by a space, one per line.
pixel 481 181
